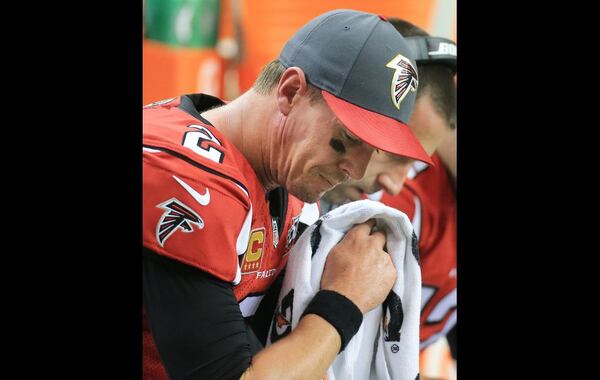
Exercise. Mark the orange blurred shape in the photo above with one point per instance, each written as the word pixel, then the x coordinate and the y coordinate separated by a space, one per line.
pixel 435 361
pixel 171 71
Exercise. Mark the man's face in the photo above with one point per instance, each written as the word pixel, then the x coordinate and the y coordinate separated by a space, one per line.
pixel 319 153
pixel 387 171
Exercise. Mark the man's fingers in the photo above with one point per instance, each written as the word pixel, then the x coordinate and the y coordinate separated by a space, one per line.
pixel 379 237
pixel 366 228
pixel 363 228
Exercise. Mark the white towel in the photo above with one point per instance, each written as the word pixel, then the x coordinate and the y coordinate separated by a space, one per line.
pixel 378 350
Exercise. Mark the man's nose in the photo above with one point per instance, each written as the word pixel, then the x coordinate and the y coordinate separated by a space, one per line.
pixel 393 180
pixel 355 164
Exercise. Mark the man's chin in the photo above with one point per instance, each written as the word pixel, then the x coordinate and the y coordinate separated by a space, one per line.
pixel 305 196
pixel 338 195
pixel 310 198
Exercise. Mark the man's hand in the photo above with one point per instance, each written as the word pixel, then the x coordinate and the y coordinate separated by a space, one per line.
pixel 359 268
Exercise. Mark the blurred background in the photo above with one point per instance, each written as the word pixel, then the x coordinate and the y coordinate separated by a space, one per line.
pixel 218 47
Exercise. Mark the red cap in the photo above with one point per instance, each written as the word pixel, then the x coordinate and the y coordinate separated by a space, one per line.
pixel 375 129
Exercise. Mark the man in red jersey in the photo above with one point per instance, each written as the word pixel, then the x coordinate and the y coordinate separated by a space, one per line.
pixel 427 196
pixel 223 189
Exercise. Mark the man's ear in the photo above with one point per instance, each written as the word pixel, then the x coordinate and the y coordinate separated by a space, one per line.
pixel 292 83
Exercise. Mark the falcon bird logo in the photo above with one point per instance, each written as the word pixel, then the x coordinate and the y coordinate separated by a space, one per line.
pixel 177 216
pixel 281 321
pixel 282 325
pixel 405 78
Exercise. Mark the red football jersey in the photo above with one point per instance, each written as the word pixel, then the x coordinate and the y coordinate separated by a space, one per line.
pixel 204 206
pixel 428 199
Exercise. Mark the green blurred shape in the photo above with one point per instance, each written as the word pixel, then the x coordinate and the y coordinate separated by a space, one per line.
pixel 185 23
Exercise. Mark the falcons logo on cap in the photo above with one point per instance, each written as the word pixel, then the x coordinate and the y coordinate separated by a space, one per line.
pixel 405 78
pixel 176 216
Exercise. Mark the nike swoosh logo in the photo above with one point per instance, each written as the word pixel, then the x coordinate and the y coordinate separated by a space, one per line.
pixel 203 199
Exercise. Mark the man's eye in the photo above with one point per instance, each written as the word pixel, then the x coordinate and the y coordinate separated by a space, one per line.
pixel 347 136
pixel 337 145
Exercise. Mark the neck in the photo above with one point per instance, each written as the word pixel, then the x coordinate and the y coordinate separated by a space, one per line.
pixel 248 123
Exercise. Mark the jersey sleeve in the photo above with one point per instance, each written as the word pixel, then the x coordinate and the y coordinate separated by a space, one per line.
pixel 196 324
pixel 193 214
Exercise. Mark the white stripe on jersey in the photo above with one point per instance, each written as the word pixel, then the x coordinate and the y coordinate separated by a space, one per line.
pixel 244 190
pixel 416 222
pixel 451 322
pixel 441 309
pixel 416 168
pixel 242 243
pixel 249 305
pixel 150 150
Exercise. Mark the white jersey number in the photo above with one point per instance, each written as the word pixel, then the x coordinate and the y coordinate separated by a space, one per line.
pixel 199 143
pixel 442 308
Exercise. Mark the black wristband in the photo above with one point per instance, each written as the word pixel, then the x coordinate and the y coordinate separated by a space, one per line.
pixel 338 310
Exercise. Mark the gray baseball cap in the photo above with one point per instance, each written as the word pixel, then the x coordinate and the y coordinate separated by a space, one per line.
pixel 367 75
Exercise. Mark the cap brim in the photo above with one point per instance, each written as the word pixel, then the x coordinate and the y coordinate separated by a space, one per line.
pixel 378 130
